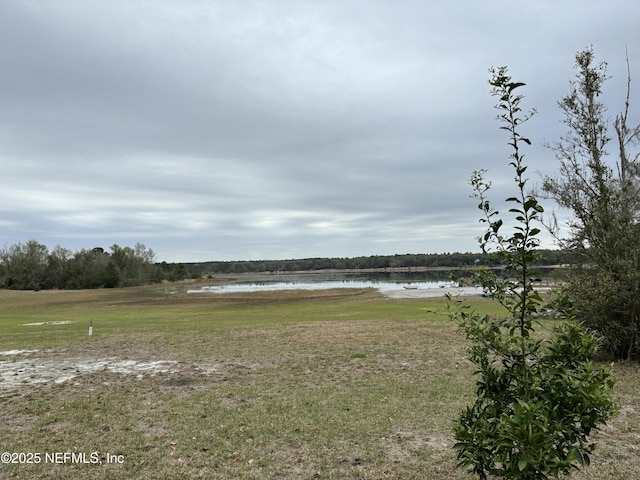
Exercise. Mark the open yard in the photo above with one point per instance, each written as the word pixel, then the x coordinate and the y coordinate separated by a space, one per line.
pixel 327 384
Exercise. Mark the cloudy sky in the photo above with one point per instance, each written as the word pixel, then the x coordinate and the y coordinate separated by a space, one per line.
pixel 246 129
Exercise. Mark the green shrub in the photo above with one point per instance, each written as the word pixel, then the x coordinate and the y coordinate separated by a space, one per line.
pixel 537 401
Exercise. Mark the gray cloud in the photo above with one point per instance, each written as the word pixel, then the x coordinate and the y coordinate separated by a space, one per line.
pixel 233 130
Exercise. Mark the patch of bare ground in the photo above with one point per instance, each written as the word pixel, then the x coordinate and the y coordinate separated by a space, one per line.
pixel 407 444
pixel 106 364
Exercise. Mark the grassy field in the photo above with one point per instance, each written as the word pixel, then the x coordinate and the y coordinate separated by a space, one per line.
pixel 334 384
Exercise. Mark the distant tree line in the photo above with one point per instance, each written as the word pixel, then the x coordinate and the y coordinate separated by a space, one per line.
pixel 452 260
pixel 31 266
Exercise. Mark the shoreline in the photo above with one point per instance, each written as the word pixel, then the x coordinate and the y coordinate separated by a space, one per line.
pixel 434 292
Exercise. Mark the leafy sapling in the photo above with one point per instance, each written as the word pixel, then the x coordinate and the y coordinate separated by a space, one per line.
pixel 537 401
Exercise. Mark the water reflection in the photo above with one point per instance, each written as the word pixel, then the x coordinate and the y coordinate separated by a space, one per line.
pixel 381 281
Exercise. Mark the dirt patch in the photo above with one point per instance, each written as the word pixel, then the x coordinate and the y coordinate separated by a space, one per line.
pixel 57 322
pixel 407 441
pixel 24 368
pixel 27 368
pixel 7 353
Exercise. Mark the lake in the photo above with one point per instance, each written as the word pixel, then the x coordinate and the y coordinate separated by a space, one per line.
pixel 309 281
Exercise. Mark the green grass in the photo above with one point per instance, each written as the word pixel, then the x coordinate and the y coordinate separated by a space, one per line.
pixel 294 385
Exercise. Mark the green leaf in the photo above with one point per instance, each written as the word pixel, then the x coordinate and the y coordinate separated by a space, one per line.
pixel 580 457
pixel 522 464
pixel 514 85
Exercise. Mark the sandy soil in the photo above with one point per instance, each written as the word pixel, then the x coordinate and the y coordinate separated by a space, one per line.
pixel 19 368
pixel 434 292
pixel 440 292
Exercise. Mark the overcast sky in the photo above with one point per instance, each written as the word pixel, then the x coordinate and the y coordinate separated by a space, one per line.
pixel 223 130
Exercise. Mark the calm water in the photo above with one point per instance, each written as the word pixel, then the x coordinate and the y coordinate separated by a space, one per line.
pixel 382 282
